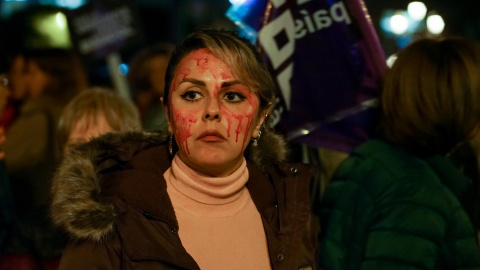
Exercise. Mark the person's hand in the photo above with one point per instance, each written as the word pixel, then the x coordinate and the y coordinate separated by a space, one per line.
pixel 3 137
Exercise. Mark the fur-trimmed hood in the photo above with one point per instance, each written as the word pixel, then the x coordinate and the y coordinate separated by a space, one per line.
pixel 77 185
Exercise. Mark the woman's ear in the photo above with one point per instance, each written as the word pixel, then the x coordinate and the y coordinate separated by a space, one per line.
pixel 261 119
pixel 167 115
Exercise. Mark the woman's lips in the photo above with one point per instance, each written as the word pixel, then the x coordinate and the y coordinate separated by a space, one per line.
pixel 211 136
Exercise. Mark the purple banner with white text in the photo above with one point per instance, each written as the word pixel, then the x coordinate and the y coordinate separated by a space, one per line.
pixel 327 63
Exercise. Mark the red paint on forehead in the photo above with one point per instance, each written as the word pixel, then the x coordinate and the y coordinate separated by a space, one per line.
pixel 226 75
pixel 206 60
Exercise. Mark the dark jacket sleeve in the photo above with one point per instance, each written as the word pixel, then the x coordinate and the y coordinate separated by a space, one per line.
pixel 92 255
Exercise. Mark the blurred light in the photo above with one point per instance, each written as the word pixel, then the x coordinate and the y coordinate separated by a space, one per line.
pixel 123 69
pixel 61 20
pixel 305 131
pixel 435 24
pixel 7 8
pixel 237 2
pixel 398 24
pixel 391 60
pixel 417 10
pixel 71 4
pixel 52 31
pixel 385 23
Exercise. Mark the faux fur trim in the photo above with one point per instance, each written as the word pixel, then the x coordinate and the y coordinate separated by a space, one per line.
pixel 77 206
pixel 271 149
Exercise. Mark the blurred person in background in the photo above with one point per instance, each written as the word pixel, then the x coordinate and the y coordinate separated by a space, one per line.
pixel 16 79
pixel 4 98
pixel 7 209
pixel 147 81
pixel 396 201
pixel 8 219
pixel 52 77
pixel 94 112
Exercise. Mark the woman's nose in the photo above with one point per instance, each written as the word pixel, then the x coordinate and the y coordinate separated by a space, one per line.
pixel 212 111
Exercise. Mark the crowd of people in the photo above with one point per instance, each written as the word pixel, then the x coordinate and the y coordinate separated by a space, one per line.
pixel 189 174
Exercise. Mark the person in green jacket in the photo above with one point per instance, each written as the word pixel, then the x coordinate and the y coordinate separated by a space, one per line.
pixel 396 201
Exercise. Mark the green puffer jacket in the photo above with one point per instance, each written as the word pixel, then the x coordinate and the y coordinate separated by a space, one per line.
pixel 387 209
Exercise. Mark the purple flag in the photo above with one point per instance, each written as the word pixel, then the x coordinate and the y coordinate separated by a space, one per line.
pixel 327 62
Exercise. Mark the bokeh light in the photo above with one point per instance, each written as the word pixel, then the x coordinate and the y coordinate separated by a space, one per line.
pixel 61 20
pixel 417 10
pixel 391 60
pixel 52 30
pixel 435 24
pixel 398 24
pixel 237 2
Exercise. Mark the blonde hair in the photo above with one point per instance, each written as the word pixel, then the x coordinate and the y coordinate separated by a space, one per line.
pixel 431 95
pixel 120 112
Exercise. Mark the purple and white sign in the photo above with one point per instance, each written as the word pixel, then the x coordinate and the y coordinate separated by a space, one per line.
pixel 102 27
pixel 327 63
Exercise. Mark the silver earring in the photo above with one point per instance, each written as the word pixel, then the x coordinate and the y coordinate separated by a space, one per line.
pixel 170 145
pixel 255 140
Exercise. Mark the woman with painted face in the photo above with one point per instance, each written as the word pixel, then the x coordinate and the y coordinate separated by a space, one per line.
pixel 214 193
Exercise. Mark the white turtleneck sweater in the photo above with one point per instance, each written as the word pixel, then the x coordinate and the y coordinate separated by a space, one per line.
pixel 219 225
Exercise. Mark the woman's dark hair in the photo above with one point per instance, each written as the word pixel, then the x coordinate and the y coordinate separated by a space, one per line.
pixel 431 95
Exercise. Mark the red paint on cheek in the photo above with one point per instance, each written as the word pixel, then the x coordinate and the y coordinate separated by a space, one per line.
pixel 248 114
pixel 239 127
pixel 229 121
pixel 183 124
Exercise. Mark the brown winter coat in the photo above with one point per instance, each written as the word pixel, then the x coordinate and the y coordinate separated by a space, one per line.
pixel 110 195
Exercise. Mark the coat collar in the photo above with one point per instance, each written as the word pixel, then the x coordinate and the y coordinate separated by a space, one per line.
pixel 123 165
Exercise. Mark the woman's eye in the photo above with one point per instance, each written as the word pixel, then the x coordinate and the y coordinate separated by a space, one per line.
pixel 234 97
pixel 191 95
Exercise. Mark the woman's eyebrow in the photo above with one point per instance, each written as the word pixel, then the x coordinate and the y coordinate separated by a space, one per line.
pixel 194 81
pixel 227 84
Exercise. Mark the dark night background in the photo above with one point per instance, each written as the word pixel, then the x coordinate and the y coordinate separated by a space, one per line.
pixel 170 20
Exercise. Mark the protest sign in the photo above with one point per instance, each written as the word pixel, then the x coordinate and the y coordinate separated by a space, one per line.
pixel 102 27
pixel 327 62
